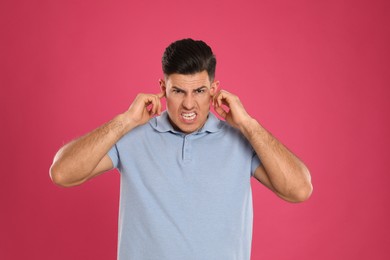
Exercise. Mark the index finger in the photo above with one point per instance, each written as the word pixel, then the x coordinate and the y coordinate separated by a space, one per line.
pixel 220 97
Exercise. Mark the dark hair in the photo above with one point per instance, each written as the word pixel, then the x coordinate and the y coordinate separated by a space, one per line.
pixel 188 56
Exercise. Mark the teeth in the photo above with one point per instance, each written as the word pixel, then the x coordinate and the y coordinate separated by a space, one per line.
pixel 189 116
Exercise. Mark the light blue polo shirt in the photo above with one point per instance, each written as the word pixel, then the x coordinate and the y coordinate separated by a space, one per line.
pixel 184 196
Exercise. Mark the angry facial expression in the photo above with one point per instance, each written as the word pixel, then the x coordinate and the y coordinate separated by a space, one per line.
pixel 188 99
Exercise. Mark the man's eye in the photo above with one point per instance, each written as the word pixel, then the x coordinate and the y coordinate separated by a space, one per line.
pixel 177 91
pixel 199 91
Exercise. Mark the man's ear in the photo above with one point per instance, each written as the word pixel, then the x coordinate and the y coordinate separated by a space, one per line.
pixel 162 85
pixel 214 87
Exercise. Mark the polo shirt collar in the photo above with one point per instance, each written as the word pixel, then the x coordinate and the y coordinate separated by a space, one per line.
pixel 162 124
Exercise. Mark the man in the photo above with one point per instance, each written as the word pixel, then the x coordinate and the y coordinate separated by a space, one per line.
pixel 185 175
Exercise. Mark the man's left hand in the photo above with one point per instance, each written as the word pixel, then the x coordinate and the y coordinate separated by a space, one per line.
pixel 230 108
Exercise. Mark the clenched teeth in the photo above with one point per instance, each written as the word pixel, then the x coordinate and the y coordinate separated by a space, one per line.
pixel 188 116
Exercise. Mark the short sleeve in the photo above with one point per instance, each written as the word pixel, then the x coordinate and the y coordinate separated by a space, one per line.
pixel 255 163
pixel 114 156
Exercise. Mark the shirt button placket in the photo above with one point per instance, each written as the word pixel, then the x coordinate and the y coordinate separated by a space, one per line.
pixel 187 149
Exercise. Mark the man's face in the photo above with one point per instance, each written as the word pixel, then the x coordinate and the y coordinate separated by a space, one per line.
pixel 188 99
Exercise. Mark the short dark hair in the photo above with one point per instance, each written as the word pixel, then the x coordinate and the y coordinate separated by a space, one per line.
pixel 188 56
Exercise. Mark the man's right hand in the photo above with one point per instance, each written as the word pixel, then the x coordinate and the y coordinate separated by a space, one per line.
pixel 143 108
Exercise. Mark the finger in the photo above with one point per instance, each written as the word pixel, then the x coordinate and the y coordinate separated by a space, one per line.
pixel 159 105
pixel 225 102
pixel 216 98
pixel 215 103
pixel 221 98
pixel 220 111
pixel 148 99
pixel 148 103
pixel 156 101
pixel 160 96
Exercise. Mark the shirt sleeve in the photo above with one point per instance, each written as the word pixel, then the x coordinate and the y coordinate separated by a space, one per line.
pixel 114 156
pixel 255 163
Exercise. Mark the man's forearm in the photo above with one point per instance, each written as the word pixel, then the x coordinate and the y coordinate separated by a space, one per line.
pixel 77 160
pixel 288 175
pixel 86 157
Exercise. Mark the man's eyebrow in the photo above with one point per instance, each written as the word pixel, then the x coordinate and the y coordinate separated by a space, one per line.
pixel 200 88
pixel 174 87
pixel 197 89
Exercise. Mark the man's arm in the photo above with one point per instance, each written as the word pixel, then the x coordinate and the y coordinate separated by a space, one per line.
pixel 86 157
pixel 281 171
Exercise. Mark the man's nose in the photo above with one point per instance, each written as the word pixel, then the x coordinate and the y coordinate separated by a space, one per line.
pixel 189 101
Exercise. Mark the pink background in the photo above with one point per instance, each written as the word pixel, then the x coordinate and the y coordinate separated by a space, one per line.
pixel 315 73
